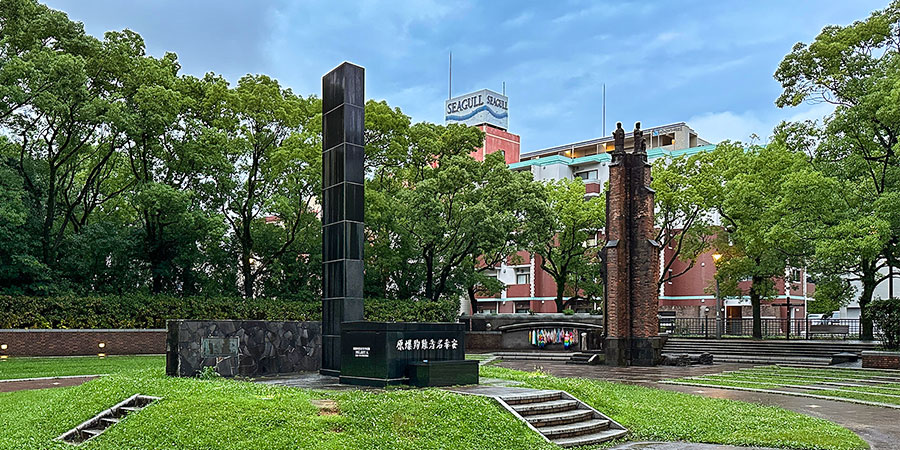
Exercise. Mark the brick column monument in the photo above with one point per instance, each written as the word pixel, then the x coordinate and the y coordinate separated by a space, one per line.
pixel 343 126
pixel 632 258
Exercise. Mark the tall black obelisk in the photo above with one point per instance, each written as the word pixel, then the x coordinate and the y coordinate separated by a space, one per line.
pixel 343 127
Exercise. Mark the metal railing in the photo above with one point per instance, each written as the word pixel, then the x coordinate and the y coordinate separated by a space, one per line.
pixel 771 328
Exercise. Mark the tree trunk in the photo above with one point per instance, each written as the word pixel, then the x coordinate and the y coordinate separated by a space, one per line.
pixel 47 228
pixel 755 304
pixel 866 331
pixel 560 304
pixel 429 275
pixel 246 267
pixel 472 299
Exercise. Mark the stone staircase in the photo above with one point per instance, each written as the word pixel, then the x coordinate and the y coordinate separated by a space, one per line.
pixel 96 425
pixel 561 418
pixel 764 351
pixel 535 355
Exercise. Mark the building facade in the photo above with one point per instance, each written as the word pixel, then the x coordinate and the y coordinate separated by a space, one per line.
pixel 530 289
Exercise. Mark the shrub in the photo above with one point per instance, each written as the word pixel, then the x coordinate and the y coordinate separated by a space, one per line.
pixel 152 311
pixel 886 316
pixel 568 311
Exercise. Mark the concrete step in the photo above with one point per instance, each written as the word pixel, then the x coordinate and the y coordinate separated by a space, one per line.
pixel 574 429
pixel 773 347
pixel 590 439
pixel 532 398
pixel 750 359
pixel 560 418
pixel 545 407
pixel 536 358
pixel 779 347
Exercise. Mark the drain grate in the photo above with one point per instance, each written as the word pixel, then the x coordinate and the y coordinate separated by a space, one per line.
pixel 96 425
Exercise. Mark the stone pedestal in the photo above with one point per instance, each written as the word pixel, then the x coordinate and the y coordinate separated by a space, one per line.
pixel 632 258
pixel 343 124
pixel 380 353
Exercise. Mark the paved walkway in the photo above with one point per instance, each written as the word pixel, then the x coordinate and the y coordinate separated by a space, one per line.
pixel 880 427
pixel 44 383
pixel 680 446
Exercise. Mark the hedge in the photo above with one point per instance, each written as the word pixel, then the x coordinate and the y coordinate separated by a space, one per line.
pixel 146 311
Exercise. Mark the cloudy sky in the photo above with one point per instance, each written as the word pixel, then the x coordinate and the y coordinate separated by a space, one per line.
pixel 708 63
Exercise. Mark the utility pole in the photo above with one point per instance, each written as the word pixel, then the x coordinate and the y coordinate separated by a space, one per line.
pixel 716 256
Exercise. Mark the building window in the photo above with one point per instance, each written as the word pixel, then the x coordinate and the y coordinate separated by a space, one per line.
pixel 587 175
pixel 522 307
pixel 523 276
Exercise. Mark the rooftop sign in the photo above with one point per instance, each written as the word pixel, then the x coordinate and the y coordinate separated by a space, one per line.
pixel 480 107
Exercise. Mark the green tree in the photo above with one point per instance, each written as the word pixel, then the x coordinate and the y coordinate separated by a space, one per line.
pixel 856 68
pixel 683 188
pixel 748 201
pixel 275 156
pixel 565 237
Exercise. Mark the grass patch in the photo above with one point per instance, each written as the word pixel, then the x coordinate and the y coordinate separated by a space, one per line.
pixel 227 414
pixel 14 368
pixel 867 396
pixel 654 414
pixel 849 374
pixel 779 378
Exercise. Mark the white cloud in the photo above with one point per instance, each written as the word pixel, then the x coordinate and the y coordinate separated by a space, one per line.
pixel 603 9
pixel 519 20
pixel 728 125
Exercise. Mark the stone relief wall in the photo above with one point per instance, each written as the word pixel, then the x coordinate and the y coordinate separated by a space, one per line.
pixel 246 348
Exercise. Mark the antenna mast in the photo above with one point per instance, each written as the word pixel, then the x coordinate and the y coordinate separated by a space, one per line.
pixel 450 78
pixel 604 109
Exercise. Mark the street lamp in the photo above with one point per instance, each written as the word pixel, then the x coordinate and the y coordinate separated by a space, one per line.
pixel 716 257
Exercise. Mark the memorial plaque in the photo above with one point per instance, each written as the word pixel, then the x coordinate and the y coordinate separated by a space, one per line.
pixel 216 347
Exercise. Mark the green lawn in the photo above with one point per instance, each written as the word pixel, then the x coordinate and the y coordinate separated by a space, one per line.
pixel 870 386
pixel 14 367
pixel 654 414
pixel 228 414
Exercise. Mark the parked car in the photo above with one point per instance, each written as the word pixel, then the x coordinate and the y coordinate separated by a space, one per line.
pixel 816 319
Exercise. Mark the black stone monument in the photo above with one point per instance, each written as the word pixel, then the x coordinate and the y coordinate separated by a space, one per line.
pixel 343 125
pixel 388 353
pixel 360 352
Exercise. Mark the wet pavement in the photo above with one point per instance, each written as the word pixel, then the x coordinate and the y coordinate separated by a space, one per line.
pixel 633 375
pixel 680 446
pixel 44 383
pixel 880 427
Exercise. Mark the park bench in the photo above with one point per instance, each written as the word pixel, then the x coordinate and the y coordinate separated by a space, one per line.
pixel 829 329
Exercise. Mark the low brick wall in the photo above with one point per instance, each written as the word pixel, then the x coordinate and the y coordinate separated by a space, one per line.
pixel 483 340
pixel 82 342
pixel 881 360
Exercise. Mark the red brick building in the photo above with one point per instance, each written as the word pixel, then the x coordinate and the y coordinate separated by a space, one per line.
pixel 528 288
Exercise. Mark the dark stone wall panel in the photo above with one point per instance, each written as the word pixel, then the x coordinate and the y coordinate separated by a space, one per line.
pixel 265 348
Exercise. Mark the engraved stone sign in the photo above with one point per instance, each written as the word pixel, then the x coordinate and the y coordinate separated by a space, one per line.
pixel 216 347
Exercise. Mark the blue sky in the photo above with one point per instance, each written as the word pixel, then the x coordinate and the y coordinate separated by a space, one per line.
pixel 707 63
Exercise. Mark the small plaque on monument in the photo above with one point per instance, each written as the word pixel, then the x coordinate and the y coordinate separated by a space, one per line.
pixel 216 347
